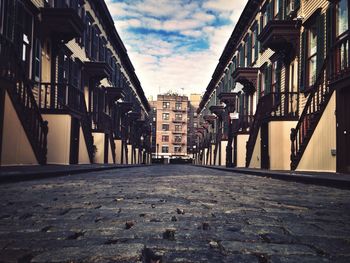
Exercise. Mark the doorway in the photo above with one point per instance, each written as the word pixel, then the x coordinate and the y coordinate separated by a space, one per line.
pixel 74 141
pixel 264 135
pixel 343 130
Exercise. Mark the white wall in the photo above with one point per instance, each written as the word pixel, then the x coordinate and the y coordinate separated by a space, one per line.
pixel 16 148
pixel 58 138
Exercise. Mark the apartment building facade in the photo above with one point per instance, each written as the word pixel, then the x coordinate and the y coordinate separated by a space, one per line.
pixel 69 92
pixel 193 124
pixel 170 122
pixel 278 98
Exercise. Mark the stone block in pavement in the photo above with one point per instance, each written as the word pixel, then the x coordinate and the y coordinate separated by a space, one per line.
pixel 106 253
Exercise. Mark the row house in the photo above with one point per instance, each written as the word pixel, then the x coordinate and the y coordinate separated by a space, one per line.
pixel 278 98
pixel 68 91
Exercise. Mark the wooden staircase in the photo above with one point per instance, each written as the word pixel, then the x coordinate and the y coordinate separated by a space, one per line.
pixel 332 75
pixel 13 78
pixel 279 105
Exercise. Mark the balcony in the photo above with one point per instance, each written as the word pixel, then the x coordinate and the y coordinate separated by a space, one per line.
pixel 125 106
pixel 97 70
pixel 113 94
pixel 218 110
pixel 133 116
pixel 209 118
pixel 179 109
pixel 178 142
pixel 248 77
pixel 339 63
pixel 101 121
pixel 229 98
pixel 242 125
pixel 61 20
pixel 59 97
pixel 282 36
pixel 178 132
pixel 179 120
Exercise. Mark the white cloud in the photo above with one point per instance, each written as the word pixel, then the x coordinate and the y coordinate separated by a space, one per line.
pixel 171 61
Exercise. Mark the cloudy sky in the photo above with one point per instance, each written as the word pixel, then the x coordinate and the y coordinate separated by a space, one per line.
pixel 175 44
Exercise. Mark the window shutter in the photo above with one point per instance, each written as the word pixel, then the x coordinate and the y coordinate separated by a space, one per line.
pixel 261 22
pixel 280 10
pixel 302 62
pixel 257 43
pixel 241 56
pixel 278 76
pixel 320 43
pixel 268 79
pixel 249 53
pixel 269 12
pixel 329 34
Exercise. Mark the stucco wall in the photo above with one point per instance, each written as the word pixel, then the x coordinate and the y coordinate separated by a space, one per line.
pixel 99 142
pixel 256 156
pixel 241 149
pixel 223 153
pixel 118 151
pixel 129 154
pixel 317 156
pixel 58 138
pixel 83 152
pixel 16 148
pixel 279 144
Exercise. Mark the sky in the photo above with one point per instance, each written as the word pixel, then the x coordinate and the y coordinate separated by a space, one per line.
pixel 175 45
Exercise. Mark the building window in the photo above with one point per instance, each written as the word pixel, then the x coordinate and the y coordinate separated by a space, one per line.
pixel 275 77
pixel 178 117
pixel 177 138
pixel 165 149
pixel 178 105
pixel 342 26
pixel 178 128
pixel 342 17
pixel 177 149
pixel 165 116
pixel 165 138
pixel 165 127
pixel 312 54
pixel 166 105
pixel 195 124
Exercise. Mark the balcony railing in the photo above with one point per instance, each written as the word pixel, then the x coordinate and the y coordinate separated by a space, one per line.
pixel 243 124
pixel 339 62
pixel 179 120
pixel 178 142
pixel 59 96
pixel 64 4
pixel 101 121
pixel 275 105
pixel 179 132
pixel 179 109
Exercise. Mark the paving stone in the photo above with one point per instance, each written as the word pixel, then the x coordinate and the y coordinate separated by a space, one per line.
pixel 216 217
pixel 270 249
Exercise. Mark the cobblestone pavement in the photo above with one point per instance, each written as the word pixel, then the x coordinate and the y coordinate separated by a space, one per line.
pixel 172 214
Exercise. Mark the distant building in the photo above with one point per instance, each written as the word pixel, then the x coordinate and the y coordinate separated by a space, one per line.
pixel 169 126
pixel 193 123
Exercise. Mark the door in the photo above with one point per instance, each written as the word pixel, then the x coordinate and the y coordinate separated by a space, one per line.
pixel 343 130
pixel 235 151
pixel 106 146
pixel 264 144
pixel 74 141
